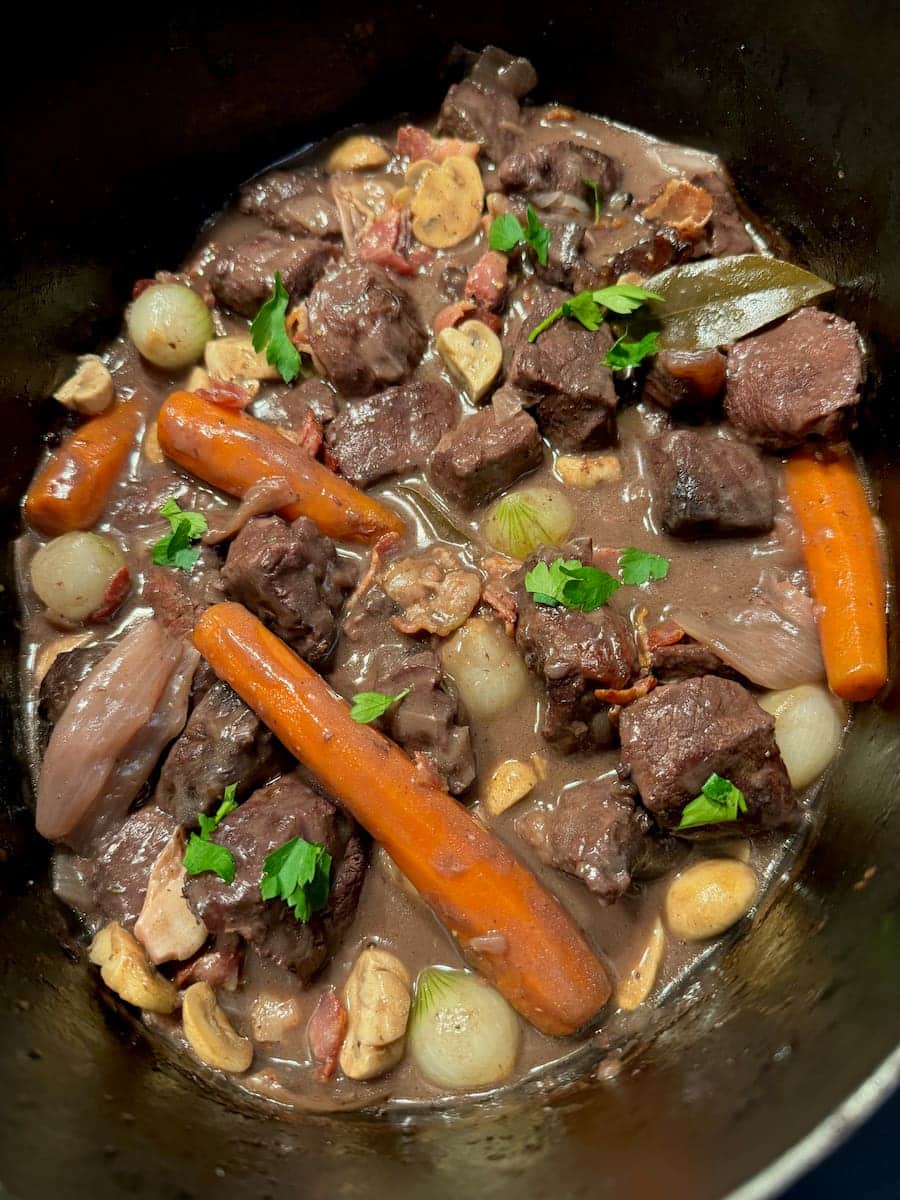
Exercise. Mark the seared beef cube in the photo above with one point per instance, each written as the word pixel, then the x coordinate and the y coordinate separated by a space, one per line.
pixel 686 660
pixel 706 484
pixel 427 720
pixel 677 736
pixel 563 372
pixel 364 329
pixel 223 743
pixel 484 115
pixel 497 70
pixel 178 597
pixel 64 676
pixel 660 249
pixel 573 653
pixel 797 379
pixel 242 277
pixel 284 810
pixel 291 577
pixel 558 167
pixel 686 381
pixel 594 833
pixel 117 876
pixel 725 231
pixel 392 432
pixel 295 201
pixel 564 261
pixel 484 456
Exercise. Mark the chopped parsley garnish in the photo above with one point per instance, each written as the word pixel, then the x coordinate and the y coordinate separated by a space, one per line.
pixel 569 583
pixel 507 232
pixel 640 566
pixel 201 853
pixel 174 549
pixel 588 307
pixel 594 187
pixel 369 706
pixel 719 800
pixel 299 873
pixel 269 332
pixel 623 353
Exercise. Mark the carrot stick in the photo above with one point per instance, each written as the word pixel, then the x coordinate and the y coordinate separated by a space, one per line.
pixel 233 451
pixel 529 947
pixel 71 489
pixel 843 559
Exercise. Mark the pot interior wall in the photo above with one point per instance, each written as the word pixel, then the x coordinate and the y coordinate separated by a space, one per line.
pixel 118 143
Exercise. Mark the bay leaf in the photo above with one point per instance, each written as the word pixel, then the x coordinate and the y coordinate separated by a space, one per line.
pixel 718 300
pixel 434 513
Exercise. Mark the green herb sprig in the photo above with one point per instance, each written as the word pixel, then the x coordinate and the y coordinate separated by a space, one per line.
pixel 507 232
pixel 268 332
pixel 174 549
pixel 590 308
pixel 201 853
pixel 299 873
pixel 719 801
pixel 367 707
pixel 569 583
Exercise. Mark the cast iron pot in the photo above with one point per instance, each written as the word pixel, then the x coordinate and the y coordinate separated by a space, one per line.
pixel 118 142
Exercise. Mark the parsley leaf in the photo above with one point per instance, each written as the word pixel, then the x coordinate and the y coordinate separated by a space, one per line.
pixel 507 232
pixel 201 854
pixel 269 331
pixel 640 566
pixel 569 583
pixel 719 800
pixel 588 307
pixel 622 354
pixel 593 186
pixel 174 548
pixel 369 706
pixel 299 873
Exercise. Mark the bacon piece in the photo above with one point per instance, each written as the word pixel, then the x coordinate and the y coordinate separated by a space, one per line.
pixel 325 1033
pixel 488 280
pixel 683 207
pixel 116 591
pixel 381 243
pixel 623 696
pixel 226 393
pixel 385 544
pixel 220 967
pixel 465 310
pixel 415 144
pixel 666 633
pixel 498 597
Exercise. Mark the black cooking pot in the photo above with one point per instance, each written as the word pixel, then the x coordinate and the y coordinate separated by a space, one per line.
pixel 118 143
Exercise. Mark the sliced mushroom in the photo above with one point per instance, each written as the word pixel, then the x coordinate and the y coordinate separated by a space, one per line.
pixel 378 996
pixel 126 970
pixel 447 205
pixel 587 470
pixel 210 1034
pixel 709 897
pixel 168 928
pixel 89 390
pixel 510 783
pixel 358 153
pixel 234 360
pixel 198 378
pixel 472 354
pixel 150 446
pixel 638 983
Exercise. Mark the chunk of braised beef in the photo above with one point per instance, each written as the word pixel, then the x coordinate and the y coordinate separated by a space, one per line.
pixel 478 113
pixel 364 329
pixel 708 484
pixel 295 201
pixel 561 166
pixel 117 876
pixel 563 375
pixel 242 276
pixel 223 743
pixel 286 809
pixel 573 653
pixel 795 380
pixel 677 736
pixel 686 660
pixel 290 409
pixel 686 381
pixel 427 721
pixel 594 832
pixel 392 432
pixel 484 456
pixel 564 262
pixel 660 249
pixel 725 231
pixel 65 673
pixel 291 577
pixel 178 597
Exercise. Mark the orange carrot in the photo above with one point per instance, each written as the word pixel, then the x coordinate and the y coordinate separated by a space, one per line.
pixel 844 562
pixel 233 451
pixel 511 929
pixel 71 489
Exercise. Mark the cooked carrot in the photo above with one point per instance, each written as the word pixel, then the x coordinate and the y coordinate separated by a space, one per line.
pixel 846 573
pixel 71 489
pixel 233 451
pixel 511 929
